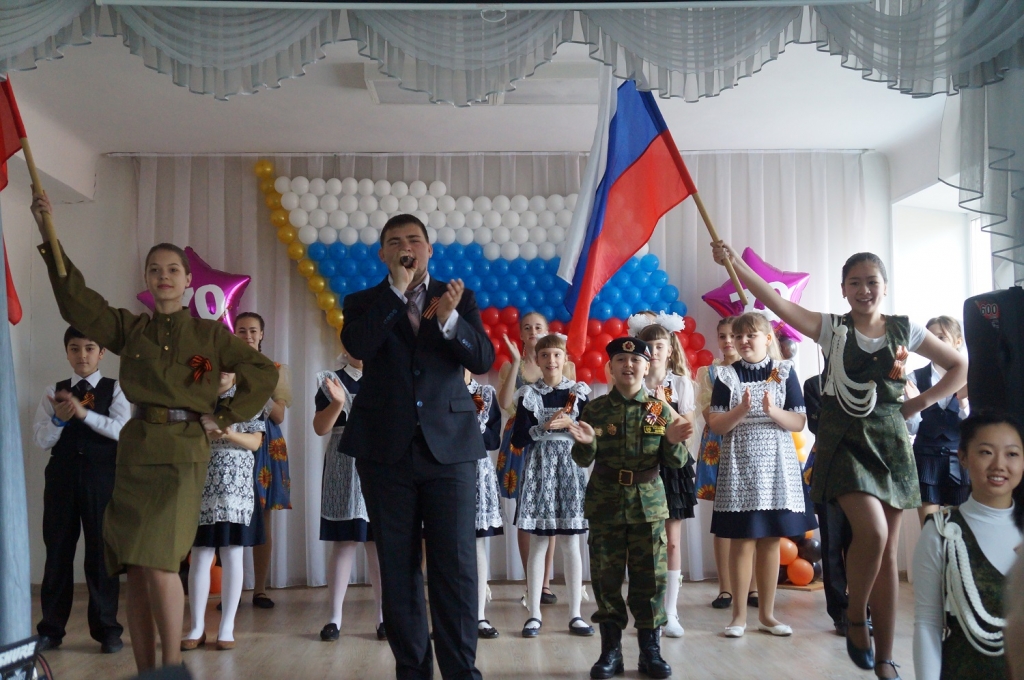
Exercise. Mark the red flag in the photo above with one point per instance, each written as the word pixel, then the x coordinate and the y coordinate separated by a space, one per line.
pixel 11 132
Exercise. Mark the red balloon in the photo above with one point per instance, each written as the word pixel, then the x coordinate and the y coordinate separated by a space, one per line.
pixel 499 361
pixel 587 343
pixel 705 358
pixel 615 328
pixel 691 359
pixel 556 327
pixel 696 342
pixel 787 554
pixel 689 324
pixel 510 316
pixel 800 571
pixel 594 327
pixel 601 341
pixel 487 330
pixel 497 345
pixel 593 359
pixel 490 316
pixel 498 330
pixel 583 374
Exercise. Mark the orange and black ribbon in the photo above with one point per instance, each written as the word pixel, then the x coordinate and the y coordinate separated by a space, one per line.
pixel 478 399
pixel 653 415
pixel 668 393
pixel 774 377
pixel 88 400
pixel 897 365
pixel 431 309
pixel 570 402
pixel 200 366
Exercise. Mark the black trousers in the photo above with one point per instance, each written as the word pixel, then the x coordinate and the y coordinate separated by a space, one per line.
pixel 418 498
pixel 836 535
pixel 77 491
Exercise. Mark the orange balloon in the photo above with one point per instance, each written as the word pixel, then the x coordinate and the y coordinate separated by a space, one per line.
pixel 307 268
pixel 264 169
pixel 335 318
pixel 799 440
pixel 266 186
pixel 279 218
pixel 215 574
pixel 326 300
pixel 296 250
pixel 273 200
pixel 316 284
pixel 286 234
pixel 787 552
pixel 800 572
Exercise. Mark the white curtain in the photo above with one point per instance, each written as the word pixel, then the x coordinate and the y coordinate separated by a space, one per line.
pixel 802 210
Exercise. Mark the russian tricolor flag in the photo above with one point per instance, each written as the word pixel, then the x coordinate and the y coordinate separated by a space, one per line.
pixel 634 176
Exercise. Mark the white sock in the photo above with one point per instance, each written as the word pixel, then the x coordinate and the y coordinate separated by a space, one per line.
pixel 339 570
pixel 232 558
pixel 535 575
pixel 481 579
pixel 199 589
pixel 373 566
pixel 672 592
pixel 572 563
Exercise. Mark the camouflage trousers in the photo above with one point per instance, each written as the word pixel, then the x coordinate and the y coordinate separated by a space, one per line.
pixel 642 549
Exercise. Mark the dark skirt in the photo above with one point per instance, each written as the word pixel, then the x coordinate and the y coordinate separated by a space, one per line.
pixel 223 534
pixel 357 530
pixel 490 531
pixel 762 523
pixel 680 490
pixel 942 479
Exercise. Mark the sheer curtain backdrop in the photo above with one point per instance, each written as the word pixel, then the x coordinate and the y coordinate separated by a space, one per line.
pixel 800 210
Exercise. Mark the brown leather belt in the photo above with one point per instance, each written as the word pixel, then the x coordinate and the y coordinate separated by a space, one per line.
pixel 626 477
pixel 161 415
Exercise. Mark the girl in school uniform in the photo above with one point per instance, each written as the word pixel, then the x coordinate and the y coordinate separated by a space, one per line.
pixel 755 406
pixel 863 457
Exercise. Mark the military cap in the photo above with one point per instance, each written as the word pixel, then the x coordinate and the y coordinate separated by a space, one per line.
pixel 628 345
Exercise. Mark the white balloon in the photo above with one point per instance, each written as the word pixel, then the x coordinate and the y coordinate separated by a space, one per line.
pixel 366 187
pixel 399 189
pixel 644 249
pixel 317 187
pixel 464 236
pixel 328 235
pixel 556 234
pixel 501 203
pixel 538 203
pixel 474 220
pixel 389 204
pixel 408 204
pixel 333 186
pixel 464 204
pixel 482 204
pixel 358 220
pixel 298 217
pixel 528 219
pixel 456 219
pixel 570 201
pixel 538 235
pixel 436 219
pixel 368 235
pixel 431 235
pixel 492 219
pixel 338 219
pixel 556 202
pixel 308 235
pixel 438 189
pixel 282 184
pixel 349 186
pixel 382 187
pixel 428 204
pixel 501 235
pixel 368 203
pixel 528 251
pixel 420 215
pixel 308 201
pixel 348 203
pixel 519 235
pixel 446 236
pixel 492 251
pixel 519 203
pixel 300 185
pixel 482 236
pixel 328 203
pixel 418 189
pixel 446 204
pixel 510 219
pixel 510 251
pixel 563 218
pixel 546 250
pixel 348 236
pixel 317 218
pixel 546 219
pixel 378 218
pixel 560 249
pixel 289 200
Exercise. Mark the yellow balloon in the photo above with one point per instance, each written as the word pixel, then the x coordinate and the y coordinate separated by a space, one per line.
pixel 273 200
pixel 264 169
pixel 296 250
pixel 286 234
pixel 798 440
pixel 316 284
pixel 266 186
pixel 326 300
pixel 335 318
pixel 307 268
pixel 279 217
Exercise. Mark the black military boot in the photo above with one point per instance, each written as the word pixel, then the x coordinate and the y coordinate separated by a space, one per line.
pixel 651 664
pixel 610 663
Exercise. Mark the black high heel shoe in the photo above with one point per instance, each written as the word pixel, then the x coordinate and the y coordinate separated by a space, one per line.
pixel 863 658
pixel 890 662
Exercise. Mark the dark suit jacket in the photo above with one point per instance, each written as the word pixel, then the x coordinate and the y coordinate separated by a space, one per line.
pixel 410 379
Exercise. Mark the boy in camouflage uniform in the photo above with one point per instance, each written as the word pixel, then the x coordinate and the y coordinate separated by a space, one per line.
pixel 628 435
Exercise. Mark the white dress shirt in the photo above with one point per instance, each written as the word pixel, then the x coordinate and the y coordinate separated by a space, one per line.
pixel 448 327
pixel 46 432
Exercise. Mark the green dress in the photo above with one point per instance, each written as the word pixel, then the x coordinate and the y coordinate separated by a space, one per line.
pixel 871 454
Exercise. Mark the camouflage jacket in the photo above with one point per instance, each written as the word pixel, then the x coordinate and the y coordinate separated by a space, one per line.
pixel 630 435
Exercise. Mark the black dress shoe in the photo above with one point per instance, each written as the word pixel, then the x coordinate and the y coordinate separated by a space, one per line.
pixel 46 642
pixel 548 597
pixel 610 662
pixel 889 662
pixel 723 601
pixel 112 645
pixel 863 658
pixel 261 601
pixel 529 632
pixel 330 633
pixel 488 633
pixel 650 663
pixel 752 600
pixel 382 633
pixel 582 631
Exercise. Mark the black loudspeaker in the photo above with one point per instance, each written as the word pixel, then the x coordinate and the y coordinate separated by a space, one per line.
pixel 994 332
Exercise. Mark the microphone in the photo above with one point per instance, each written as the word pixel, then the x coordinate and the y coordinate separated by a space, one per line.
pixel 408 261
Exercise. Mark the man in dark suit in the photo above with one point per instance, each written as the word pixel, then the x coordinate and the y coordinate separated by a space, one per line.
pixel 414 434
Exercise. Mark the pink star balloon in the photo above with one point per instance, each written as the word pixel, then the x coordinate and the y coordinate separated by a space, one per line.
pixel 214 294
pixel 790 285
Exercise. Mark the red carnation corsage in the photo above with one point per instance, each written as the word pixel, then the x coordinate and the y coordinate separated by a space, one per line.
pixel 200 366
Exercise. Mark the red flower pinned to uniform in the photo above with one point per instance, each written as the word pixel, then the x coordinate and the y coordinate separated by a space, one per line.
pixel 431 309
pixel 897 365
pixel 200 366
pixel 774 377
pixel 478 399
pixel 88 400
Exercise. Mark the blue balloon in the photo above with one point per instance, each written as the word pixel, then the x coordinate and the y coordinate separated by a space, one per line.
pixel 538 266
pixel 547 312
pixel 651 297
pixel 327 268
pixel 499 299
pixel 482 267
pixel 432 267
pixel 546 281
pixel 553 264
pixel 658 278
pixel 611 294
pixel 483 299
pixel 631 295
pixel 678 307
pixel 349 267
pixel 445 270
pixel 555 298
pixel 639 278
pixel 631 265
pixel 621 279
pixel 338 251
pixel 474 251
pixel 358 283
pixel 510 282
pixel 359 251
pixel 472 282
pixel 564 315
pixel 527 281
pixel 537 297
pixel 670 293
pixel 489 283
pixel 368 268
pixel 649 262
pixel 519 299
pixel 464 268
pixel 439 252
pixel 518 266
pixel 456 251
pixel 339 284
pixel 499 267
pixel 621 310
pixel 316 251
pixel 602 311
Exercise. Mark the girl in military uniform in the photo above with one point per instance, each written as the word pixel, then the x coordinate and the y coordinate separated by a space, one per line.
pixel 863 458
pixel 962 559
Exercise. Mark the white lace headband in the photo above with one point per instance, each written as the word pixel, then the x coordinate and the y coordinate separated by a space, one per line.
pixel 673 323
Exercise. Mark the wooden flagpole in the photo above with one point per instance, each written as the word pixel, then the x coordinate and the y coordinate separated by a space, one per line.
pixel 37 187
pixel 714 237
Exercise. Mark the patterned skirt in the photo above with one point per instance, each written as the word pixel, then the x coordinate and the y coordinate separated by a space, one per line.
pixel 228 495
pixel 342 508
pixel 707 464
pixel 488 509
pixel 273 485
pixel 552 492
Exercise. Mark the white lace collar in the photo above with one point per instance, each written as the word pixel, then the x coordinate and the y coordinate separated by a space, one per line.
pixel 753 367
pixel 543 388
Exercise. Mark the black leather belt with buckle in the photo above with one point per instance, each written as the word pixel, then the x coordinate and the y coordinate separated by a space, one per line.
pixel 160 415
pixel 626 477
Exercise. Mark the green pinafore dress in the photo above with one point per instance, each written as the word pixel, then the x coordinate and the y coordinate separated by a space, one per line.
pixel 872 454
